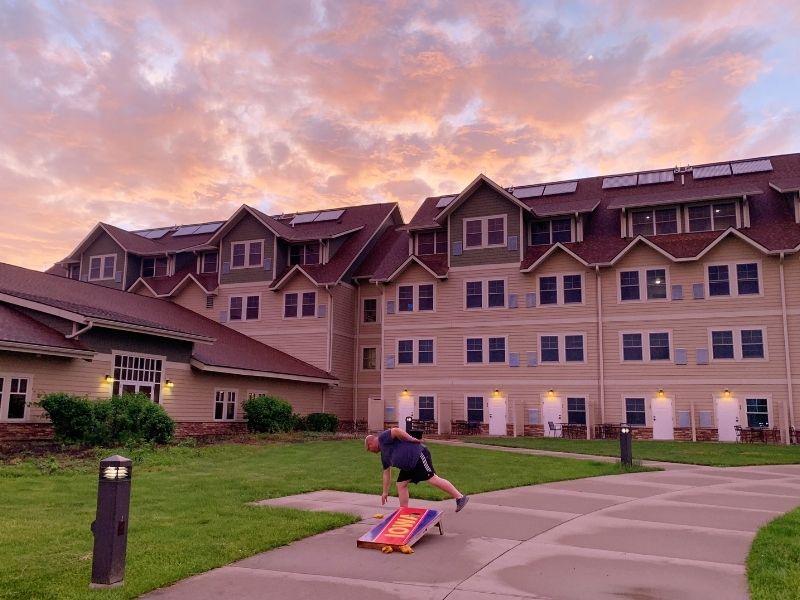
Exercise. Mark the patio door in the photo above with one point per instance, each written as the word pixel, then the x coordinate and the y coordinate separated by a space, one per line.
pixel 375 416
pixel 727 418
pixel 663 419
pixel 551 411
pixel 497 416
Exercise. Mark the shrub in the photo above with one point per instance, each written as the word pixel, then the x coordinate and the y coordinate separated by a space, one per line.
pixel 73 418
pixel 268 414
pixel 322 422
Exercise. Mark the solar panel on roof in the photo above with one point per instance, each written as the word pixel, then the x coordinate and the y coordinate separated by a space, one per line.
pixel 208 228
pixel 306 218
pixel 566 187
pixel 656 177
pixel 528 192
pixel 751 166
pixel 445 202
pixel 329 215
pixel 186 230
pixel 620 181
pixel 711 171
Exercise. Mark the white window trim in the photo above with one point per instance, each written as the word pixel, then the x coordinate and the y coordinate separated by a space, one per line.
pixel 678 218
pixel 646 347
pixel 6 393
pixel 247 244
pixel 562 349
pixel 102 258
pixel 484 232
pixel 304 245
pixel 201 261
pixel 253 393
pixel 415 351
pixel 224 405
pixel 737 206
pixel 572 229
pixel 435 405
pixel 643 284
pixel 299 305
pixel 170 266
pixel 485 350
pixel 436 235
pixel 161 384
pixel 485 293
pixel 484 397
pixel 377 359
pixel 378 309
pixel 648 417
pixel 733 279
pixel 737 343
pixel 414 298
pixel 244 298
pixel 771 416
pixel 560 289
pixel 565 396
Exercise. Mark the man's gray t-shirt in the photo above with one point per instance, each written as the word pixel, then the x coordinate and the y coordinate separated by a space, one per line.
pixel 398 453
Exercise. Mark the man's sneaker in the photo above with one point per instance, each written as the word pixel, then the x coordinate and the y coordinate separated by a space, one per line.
pixel 461 502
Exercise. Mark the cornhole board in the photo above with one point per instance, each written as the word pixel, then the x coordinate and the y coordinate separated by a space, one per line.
pixel 404 527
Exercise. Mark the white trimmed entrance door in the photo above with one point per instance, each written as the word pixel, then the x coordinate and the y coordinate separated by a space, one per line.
pixel 405 408
pixel 663 418
pixel 727 418
pixel 375 414
pixel 551 413
pixel 498 416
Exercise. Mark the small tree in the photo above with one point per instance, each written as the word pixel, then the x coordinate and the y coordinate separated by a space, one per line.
pixel 268 414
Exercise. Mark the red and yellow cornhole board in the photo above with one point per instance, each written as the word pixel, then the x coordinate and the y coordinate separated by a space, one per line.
pixel 404 527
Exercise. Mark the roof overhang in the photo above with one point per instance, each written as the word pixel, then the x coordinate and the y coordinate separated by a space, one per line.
pixel 646 201
pixel 12 346
pixel 468 191
pixel 564 211
pixel 201 366
pixel 786 186
pixel 291 273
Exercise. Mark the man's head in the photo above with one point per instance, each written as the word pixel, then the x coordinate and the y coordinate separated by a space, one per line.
pixel 371 443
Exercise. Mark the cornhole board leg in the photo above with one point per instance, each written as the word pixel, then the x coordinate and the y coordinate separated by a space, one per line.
pixel 404 527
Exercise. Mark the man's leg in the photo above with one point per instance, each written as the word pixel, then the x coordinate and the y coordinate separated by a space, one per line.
pixel 402 493
pixel 444 485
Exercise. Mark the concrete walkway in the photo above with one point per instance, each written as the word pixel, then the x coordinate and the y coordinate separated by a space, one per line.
pixel 681 534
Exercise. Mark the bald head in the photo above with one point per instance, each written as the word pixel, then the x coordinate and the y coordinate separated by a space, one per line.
pixel 371 443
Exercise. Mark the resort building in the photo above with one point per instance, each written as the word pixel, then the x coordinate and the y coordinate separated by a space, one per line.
pixel 664 299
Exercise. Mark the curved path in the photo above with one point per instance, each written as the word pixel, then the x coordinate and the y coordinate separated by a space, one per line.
pixel 683 533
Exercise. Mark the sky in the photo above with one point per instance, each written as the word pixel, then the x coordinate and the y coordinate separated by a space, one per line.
pixel 154 113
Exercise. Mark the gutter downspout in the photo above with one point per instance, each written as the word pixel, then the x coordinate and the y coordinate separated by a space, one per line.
pixel 382 357
pixel 600 357
pixel 356 361
pixel 75 333
pixel 789 412
pixel 329 317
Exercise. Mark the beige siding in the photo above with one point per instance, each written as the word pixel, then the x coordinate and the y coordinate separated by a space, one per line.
pixel 343 313
pixel 248 228
pixel 368 382
pixel 194 298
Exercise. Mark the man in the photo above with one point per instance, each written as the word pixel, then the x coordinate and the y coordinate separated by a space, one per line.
pixel 400 450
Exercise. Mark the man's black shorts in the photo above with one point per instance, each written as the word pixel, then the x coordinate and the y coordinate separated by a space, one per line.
pixel 422 471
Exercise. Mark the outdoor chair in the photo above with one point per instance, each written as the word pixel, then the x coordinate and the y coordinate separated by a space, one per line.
pixel 738 430
pixel 553 427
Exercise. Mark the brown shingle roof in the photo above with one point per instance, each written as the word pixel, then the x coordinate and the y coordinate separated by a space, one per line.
pixel 18 328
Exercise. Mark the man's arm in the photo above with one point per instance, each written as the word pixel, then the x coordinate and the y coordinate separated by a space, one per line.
pixel 399 434
pixel 387 474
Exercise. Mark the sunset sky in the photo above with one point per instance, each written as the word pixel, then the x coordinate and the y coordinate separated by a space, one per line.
pixel 143 114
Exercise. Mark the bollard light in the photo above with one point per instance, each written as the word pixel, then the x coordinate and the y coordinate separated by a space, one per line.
pixel 417 433
pixel 625 449
pixel 110 527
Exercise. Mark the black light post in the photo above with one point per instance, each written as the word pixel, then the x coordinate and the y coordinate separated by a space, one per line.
pixel 110 527
pixel 625 450
pixel 417 433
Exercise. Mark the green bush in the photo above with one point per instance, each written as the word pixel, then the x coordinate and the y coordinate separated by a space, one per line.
pixel 126 419
pixel 269 414
pixel 322 422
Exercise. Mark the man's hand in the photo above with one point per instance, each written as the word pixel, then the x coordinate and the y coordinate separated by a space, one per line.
pixel 384 498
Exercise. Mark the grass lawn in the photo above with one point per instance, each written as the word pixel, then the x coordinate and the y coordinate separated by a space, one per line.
pixel 190 511
pixel 773 566
pixel 697 453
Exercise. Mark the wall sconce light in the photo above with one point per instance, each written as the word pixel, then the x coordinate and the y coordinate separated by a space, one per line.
pixel 405 392
pixel 726 393
pixel 108 379
pixel 550 393
pixel 660 393
pixel 169 383
pixel 496 392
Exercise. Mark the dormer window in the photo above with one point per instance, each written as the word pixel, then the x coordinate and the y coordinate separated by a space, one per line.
pixel 712 217
pixel 304 254
pixel 209 262
pixel 434 242
pixel 247 254
pixel 485 232
pixel 657 221
pixel 551 231
pixel 154 267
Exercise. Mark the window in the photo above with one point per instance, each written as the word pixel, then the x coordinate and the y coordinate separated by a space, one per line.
pixel 209 262
pixel 576 411
pixel 549 350
pixel 634 411
pixel 252 307
pixel 425 408
pixel 14 392
pixel 752 343
pixel 369 359
pixel 548 290
pixel 290 306
pixel 724 344
pixel 405 352
pixel 154 267
pixel 243 306
pixel 434 242
pixel 74 271
pixel 658 221
pixel 308 307
pixel 656 284
pixel 309 304
pixel 425 352
pixel 712 217
pixel 370 310
pixel 573 348
pixel 405 298
pixel 632 346
pixel 747 278
pixel 247 254
pixel 235 308
pixel 572 289
pixel 475 409
pixel 256 394
pixel 474 294
pixel 630 283
pixel 550 232
pixel 425 299
pixel 102 267
pixel 747 282
pixel 485 232
pixel 304 254
pixel 497 350
pixel 757 412
pixel 474 350
pixel 659 346
pixel 425 293
pixel 718 282
pixel 225 405
pixel 495 294
pixel 138 373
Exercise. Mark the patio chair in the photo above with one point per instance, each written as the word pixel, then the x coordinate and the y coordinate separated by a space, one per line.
pixel 554 428
pixel 738 430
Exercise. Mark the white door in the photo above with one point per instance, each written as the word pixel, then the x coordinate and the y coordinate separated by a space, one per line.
pixel 663 419
pixel 405 408
pixel 551 413
pixel 375 417
pixel 497 416
pixel 727 418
